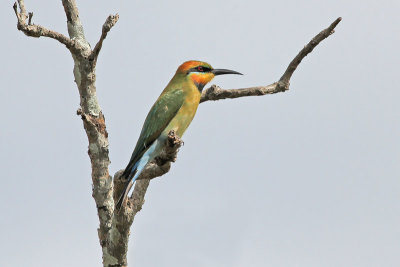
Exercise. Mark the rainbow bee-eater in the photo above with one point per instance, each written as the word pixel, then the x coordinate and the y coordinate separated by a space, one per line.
pixel 173 110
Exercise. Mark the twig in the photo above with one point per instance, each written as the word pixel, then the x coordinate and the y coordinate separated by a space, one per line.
pixel 39 31
pixel 110 22
pixel 217 93
pixel 30 18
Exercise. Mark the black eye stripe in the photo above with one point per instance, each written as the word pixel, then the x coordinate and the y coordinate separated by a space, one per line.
pixel 200 69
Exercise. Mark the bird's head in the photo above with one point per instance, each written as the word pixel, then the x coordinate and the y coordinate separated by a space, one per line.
pixel 201 73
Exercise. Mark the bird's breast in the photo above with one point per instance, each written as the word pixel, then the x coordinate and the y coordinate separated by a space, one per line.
pixel 186 113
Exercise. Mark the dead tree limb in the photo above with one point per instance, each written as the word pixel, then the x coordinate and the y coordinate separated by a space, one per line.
pixel 39 31
pixel 114 227
pixel 110 22
pixel 217 93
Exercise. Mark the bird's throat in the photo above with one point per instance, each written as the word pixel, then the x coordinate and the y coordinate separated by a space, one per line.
pixel 201 79
pixel 200 86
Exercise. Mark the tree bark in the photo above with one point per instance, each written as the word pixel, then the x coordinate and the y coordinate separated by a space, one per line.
pixel 114 229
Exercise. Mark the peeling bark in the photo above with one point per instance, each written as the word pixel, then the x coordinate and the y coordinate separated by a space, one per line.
pixel 114 229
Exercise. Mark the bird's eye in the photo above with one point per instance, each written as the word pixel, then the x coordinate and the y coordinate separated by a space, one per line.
pixel 200 69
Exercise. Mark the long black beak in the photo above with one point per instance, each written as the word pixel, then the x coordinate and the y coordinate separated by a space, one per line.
pixel 224 71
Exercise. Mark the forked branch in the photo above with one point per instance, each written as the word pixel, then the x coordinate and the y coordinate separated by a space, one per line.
pixel 217 93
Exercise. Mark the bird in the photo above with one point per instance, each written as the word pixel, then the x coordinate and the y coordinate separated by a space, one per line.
pixel 173 110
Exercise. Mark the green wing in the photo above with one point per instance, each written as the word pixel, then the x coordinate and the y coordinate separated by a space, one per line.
pixel 160 115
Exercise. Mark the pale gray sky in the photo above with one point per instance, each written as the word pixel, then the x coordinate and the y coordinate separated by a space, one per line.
pixel 309 177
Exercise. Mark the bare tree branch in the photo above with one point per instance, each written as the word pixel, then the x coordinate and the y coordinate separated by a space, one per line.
pixel 37 30
pixel 110 22
pixel 75 28
pixel 217 93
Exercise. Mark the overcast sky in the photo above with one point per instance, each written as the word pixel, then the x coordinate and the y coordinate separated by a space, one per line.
pixel 309 177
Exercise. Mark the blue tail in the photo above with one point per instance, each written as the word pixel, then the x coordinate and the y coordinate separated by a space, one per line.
pixel 132 174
